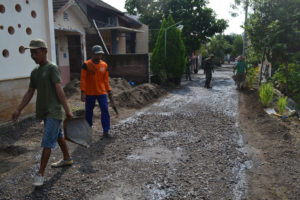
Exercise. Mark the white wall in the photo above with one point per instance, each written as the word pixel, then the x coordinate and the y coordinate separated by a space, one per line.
pixel 62 49
pixel 18 65
pixel 142 40
pixel 76 22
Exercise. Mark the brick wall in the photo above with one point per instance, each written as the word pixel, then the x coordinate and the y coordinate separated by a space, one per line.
pixel 132 67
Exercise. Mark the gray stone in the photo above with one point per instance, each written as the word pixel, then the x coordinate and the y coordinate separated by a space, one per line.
pixel 291 104
pixel 278 93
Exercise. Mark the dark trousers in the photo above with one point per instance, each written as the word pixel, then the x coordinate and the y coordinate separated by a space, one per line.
pixel 188 76
pixel 240 79
pixel 208 76
pixel 89 110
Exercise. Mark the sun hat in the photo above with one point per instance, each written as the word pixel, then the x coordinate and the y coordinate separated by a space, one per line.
pixel 36 44
pixel 97 49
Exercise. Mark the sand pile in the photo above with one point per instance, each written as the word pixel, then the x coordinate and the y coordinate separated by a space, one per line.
pixel 124 94
pixel 139 96
pixel 119 85
pixel 72 88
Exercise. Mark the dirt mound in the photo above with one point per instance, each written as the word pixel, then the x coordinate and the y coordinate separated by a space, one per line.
pixel 138 96
pixel 119 85
pixel 72 87
pixel 124 94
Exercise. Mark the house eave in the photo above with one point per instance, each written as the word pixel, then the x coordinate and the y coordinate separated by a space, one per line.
pixel 121 29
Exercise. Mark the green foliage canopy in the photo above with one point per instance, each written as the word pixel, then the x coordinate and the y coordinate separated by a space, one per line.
pixel 294 86
pixel 199 22
pixel 274 27
pixel 171 66
pixel 219 47
pixel 237 46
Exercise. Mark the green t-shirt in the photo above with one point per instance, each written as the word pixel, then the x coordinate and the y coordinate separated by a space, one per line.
pixel 43 79
pixel 241 67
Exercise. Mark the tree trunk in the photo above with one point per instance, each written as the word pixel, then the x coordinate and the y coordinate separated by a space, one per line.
pixel 287 78
pixel 245 24
pixel 261 68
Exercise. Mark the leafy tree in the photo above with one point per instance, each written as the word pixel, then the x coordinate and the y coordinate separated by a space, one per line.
pixel 237 46
pixel 157 61
pixel 171 66
pixel 274 32
pixel 245 4
pixel 294 86
pixel 230 38
pixel 199 22
pixel 219 47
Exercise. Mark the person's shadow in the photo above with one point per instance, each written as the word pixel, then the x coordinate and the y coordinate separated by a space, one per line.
pixel 81 156
pixel 42 191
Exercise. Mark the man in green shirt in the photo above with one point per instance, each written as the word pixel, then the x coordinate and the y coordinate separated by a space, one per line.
pixel 241 71
pixel 50 102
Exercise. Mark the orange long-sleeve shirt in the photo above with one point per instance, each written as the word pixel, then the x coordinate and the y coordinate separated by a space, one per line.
pixel 94 78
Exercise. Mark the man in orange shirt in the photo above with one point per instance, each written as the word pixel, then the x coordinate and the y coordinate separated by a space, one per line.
pixel 94 86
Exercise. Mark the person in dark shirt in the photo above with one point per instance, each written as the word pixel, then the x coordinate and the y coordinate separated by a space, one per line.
pixel 188 69
pixel 50 102
pixel 208 70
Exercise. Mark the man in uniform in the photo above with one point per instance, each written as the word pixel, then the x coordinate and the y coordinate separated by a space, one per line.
pixel 94 86
pixel 188 69
pixel 208 70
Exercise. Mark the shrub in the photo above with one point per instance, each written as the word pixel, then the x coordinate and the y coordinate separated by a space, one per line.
pixel 169 67
pixel 266 94
pixel 251 77
pixel 281 104
pixel 157 61
pixel 294 80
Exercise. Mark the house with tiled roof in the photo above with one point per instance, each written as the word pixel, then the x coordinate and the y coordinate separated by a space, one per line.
pixel 121 34
pixel 70 28
pixel 80 24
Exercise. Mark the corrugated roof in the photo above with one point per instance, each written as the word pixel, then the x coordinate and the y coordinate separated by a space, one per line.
pixel 104 5
pixel 131 20
pixel 57 4
pixel 133 17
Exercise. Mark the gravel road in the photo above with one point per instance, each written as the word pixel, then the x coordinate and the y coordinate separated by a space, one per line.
pixel 188 145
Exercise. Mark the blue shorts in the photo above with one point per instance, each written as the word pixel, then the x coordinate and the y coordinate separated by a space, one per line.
pixel 52 132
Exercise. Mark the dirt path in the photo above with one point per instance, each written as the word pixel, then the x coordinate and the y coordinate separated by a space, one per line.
pixel 192 144
pixel 274 146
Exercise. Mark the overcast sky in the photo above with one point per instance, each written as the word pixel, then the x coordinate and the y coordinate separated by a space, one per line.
pixel 221 7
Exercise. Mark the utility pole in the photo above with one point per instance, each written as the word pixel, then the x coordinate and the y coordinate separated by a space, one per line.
pixel 245 41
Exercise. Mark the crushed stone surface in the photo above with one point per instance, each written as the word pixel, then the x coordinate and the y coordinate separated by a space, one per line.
pixel 187 145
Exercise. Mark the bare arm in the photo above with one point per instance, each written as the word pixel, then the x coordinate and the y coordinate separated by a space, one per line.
pixel 26 99
pixel 234 68
pixel 63 100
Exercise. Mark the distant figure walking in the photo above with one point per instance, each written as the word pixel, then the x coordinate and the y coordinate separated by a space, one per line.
pixel 241 70
pixel 188 69
pixel 208 70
